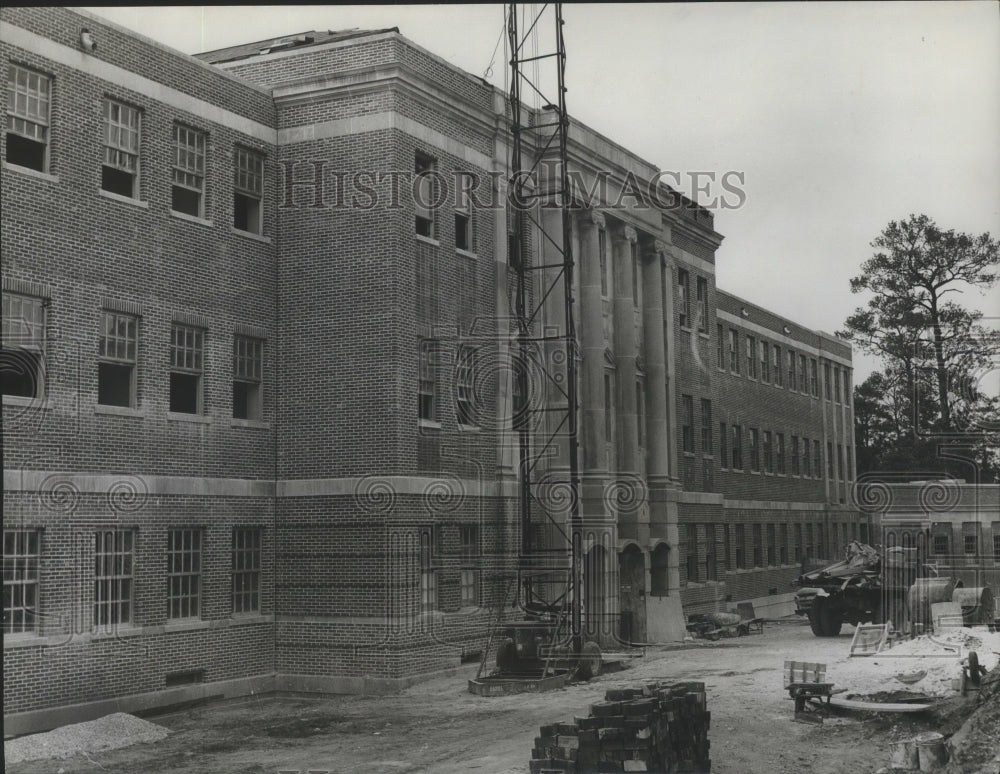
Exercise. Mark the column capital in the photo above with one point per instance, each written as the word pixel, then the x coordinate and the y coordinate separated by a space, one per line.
pixel 593 216
pixel 630 234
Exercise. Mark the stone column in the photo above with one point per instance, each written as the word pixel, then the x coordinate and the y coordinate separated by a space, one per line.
pixel 665 618
pixel 625 350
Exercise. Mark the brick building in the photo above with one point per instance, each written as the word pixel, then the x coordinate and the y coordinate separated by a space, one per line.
pixel 257 377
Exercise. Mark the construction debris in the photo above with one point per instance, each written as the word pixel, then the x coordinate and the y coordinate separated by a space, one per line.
pixel 111 732
pixel 660 727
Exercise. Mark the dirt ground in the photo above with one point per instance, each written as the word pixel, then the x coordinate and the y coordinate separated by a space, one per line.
pixel 438 727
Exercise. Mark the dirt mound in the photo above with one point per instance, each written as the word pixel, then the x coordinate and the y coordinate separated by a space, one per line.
pixel 108 733
pixel 975 747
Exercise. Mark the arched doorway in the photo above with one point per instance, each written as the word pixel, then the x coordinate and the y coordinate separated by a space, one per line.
pixel 632 594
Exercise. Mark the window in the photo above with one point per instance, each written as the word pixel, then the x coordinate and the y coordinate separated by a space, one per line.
pixel 29 99
pixel 798 543
pixel 741 540
pixel 793 452
pixel 116 365
pixel 768 453
pixel 692 552
pixel 779 453
pixel 248 191
pixel 246 569
pixel 428 575
pixel 817 461
pixel 21 558
pixel 602 250
pixel 737 447
pixel 776 364
pixel 702 304
pixel 23 346
pixel 813 378
pixel 806 468
pixel 754 450
pixel 188 193
pixel 183 573
pixel 120 167
pixel 802 374
pixel 720 346
pixel 996 541
pixel 850 464
pixel 424 169
pixel 727 556
pixel 426 383
pixel 829 460
pixel 836 385
pixel 640 414
pixel 113 572
pixel 634 254
pixel 783 545
pixel 248 369
pixel 840 461
pixel 734 350
pixel 772 539
pixel 940 541
pixel 847 386
pixel 809 541
pixel 709 538
pixel 791 370
pixel 706 426
pixel 186 369
pixel 658 566
pixel 465 386
pixel 826 380
pixel 765 364
pixel 970 537
pixel 758 548
pixel 683 297
pixel 469 581
pixel 751 357
pixel 723 445
pixel 687 423
pixel 463 212
pixel 609 406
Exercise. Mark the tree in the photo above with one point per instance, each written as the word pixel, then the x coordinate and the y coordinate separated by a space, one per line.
pixel 932 348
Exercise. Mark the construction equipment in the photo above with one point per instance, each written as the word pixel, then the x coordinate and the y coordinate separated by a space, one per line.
pixel 867 587
pixel 550 644
pixel 806 681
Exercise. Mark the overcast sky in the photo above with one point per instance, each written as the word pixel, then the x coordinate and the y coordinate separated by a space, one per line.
pixel 841 117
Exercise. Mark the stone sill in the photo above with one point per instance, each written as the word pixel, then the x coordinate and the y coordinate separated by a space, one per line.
pixel 200 419
pixel 122 199
pixel 28 172
pixel 122 411
pixel 191 218
pixel 250 235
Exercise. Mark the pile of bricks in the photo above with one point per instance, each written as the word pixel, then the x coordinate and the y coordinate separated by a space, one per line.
pixel 661 727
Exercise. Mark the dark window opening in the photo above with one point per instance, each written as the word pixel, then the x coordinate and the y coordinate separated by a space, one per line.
pixel 21 373
pixel 186 201
pixel 246 213
pixel 114 384
pixel 25 153
pixel 184 389
pixel 118 181
pixel 246 402
pixel 462 240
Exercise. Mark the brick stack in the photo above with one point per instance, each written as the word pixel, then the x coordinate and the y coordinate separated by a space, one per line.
pixel 661 728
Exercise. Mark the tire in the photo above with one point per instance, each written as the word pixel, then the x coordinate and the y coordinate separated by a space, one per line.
pixel 815 622
pixel 831 621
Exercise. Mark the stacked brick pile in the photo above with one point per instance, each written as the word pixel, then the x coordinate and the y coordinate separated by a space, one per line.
pixel 661 728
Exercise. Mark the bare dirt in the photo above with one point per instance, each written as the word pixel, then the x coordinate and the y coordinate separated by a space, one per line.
pixel 438 727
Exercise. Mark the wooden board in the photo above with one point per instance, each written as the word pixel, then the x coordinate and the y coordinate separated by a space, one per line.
pixel 869 639
pixel 875 706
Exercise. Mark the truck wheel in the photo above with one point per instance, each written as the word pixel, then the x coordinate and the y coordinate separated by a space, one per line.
pixel 831 620
pixel 815 620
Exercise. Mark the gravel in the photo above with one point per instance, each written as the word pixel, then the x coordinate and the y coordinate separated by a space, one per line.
pixel 108 733
pixel 877 674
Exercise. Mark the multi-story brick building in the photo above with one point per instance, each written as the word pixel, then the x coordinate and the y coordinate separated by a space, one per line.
pixel 257 387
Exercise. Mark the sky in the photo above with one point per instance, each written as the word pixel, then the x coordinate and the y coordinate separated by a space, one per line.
pixel 840 116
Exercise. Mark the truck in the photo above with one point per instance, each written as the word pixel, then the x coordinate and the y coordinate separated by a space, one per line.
pixel 868 586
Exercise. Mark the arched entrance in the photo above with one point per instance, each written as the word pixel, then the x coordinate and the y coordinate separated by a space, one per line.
pixel 632 594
